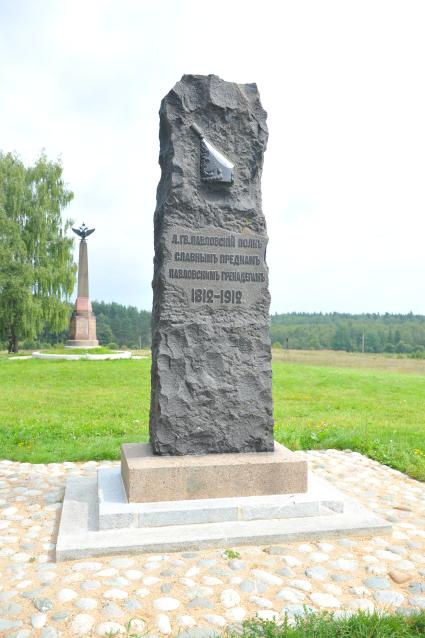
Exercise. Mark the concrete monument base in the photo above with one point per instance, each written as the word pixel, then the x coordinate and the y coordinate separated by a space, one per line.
pixel 148 477
pixel 115 511
pixel 97 519
pixel 82 343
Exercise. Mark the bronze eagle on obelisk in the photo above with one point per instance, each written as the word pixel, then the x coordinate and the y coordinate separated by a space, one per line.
pixel 83 231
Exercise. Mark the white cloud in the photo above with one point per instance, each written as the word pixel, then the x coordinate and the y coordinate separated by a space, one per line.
pixel 344 171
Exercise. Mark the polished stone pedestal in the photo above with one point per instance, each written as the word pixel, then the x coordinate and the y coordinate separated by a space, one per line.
pixel 148 477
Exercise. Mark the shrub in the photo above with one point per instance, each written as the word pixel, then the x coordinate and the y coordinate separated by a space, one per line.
pixel 418 354
pixel 29 344
pixel 112 346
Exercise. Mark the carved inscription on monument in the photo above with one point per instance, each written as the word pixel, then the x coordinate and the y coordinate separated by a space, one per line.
pixel 216 267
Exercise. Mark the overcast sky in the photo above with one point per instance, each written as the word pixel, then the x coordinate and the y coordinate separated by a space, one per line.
pixel 344 176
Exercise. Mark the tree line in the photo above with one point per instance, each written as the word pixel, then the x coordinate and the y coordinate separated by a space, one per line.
pixel 122 325
pixel 117 326
pixel 391 333
pixel 353 333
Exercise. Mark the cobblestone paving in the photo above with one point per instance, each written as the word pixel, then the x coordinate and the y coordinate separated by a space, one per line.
pixel 197 594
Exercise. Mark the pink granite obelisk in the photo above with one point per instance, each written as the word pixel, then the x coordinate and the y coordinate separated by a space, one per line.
pixel 82 327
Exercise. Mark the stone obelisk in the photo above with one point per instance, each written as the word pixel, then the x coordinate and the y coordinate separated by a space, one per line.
pixel 82 328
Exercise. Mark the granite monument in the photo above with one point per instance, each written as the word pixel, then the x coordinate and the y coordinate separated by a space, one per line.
pixel 82 328
pixel 211 361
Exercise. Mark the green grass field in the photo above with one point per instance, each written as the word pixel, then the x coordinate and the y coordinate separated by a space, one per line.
pixel 52 411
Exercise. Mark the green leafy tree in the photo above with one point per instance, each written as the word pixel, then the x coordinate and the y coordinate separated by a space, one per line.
pixel 103 330
pixel 37 272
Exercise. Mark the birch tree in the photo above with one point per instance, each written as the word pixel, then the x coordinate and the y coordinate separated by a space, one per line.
pixel 37 271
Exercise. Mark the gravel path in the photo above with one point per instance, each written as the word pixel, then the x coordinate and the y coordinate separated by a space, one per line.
pixel 196 594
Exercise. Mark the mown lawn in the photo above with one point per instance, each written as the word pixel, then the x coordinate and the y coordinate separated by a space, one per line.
pixel 381 414
pixel 52 411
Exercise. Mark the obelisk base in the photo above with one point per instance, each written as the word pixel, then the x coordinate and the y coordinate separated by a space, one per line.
pixel 83 343
pixel 82 327
pixel 151 478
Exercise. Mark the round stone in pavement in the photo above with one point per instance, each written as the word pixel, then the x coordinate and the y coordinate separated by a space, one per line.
pixel 198 603
pixel 290 595
pixel 166 603
pixel 417 601
pixel 65 595
pixel 60 616
pixel 86 604
pixel 266 577
pixel 110 628
pixel 316 573
pixel 9 624
pixel 263 603
pixel 198 632
pixel 112 610
pixel 325 600
pixel 38 620
pixel 375 582
pixel 10 609
pixel 417 588
pixel 90 584
pixel 251 586
pixel 284 571
pixel 277 550
pixel 186 621
pixel 297 610
pixel 396 549
pixel 131 604
pixel 388 597
pixel 215 619
pixel 340 578
pixel 399 577
pixel 230 598
pixel 42 604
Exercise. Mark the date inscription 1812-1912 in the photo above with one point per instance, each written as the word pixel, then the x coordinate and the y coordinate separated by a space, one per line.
pixel 215 266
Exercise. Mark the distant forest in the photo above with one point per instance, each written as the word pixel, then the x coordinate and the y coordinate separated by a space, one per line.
pixel 353 333
pixel 123 325
pixel 118 325
pixel 128 326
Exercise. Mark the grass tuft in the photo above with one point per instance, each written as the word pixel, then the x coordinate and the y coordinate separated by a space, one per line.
pixel 326 625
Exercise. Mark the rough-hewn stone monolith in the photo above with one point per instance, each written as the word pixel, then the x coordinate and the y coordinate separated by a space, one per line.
pixel 211 361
